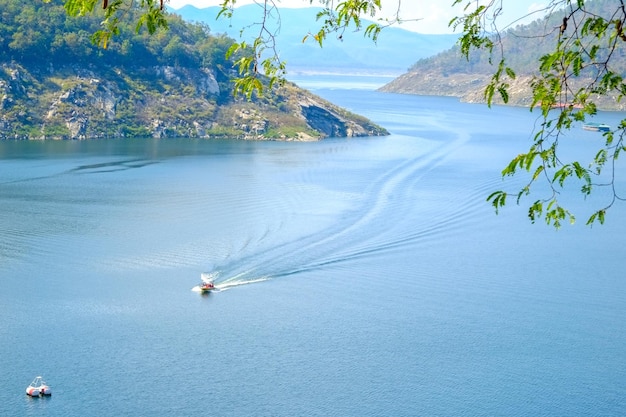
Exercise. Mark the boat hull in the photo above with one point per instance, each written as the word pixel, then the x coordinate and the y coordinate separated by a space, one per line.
pixel 206 287
pixel 38 392
pixel 596 127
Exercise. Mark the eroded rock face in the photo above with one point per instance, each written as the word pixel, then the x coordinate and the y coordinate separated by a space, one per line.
pixel 202 79
pixel 332 121
pixel 77 125
pixel 324 121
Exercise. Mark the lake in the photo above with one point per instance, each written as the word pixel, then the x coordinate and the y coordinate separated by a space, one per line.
pixel 358 277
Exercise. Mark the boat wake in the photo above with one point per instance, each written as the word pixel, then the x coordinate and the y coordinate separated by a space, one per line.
pixel 228 283
pixel 378 216
pixel 231 284
pixel 396 207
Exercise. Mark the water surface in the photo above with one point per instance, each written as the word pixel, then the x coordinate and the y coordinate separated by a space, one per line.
pixel 360 277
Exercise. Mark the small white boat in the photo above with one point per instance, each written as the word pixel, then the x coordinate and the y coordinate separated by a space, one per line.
pixel 206 287
pixel 207 284
pixel 596 127
pixel 38 388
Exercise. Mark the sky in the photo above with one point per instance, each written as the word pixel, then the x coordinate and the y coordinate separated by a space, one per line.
pixel 433 15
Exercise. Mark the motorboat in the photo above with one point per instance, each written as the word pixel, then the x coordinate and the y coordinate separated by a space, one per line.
pixel 38 388
pixel 206 287
pixel 597 127
pixel 207 284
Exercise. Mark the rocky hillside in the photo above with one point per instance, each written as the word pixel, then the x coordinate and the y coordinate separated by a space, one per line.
pixel 467 85
pixel 54 84
pixel 77 102
pixel 451 74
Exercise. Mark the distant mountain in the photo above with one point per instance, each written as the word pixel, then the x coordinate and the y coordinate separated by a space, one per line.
pixel 396 50
pixel 450 74
pixel 55 84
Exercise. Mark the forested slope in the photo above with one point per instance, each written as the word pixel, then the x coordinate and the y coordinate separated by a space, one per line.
pixel 54 83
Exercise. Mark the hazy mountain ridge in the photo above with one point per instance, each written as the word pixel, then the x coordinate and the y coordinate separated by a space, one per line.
pixel 396 50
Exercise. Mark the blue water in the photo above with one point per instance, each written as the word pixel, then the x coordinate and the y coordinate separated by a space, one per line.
pixel 359 277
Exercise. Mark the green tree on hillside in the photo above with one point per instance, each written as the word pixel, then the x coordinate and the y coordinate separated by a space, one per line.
pixel 35 33
pixel 577 66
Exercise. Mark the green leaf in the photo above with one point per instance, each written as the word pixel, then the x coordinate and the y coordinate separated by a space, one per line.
pixel 535 211
pixel 510 73
pixel 373 31
pixel 562 174
pixel 497 199
pixel 504 94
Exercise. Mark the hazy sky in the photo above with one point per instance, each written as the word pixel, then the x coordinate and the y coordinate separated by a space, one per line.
pixel 434 15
